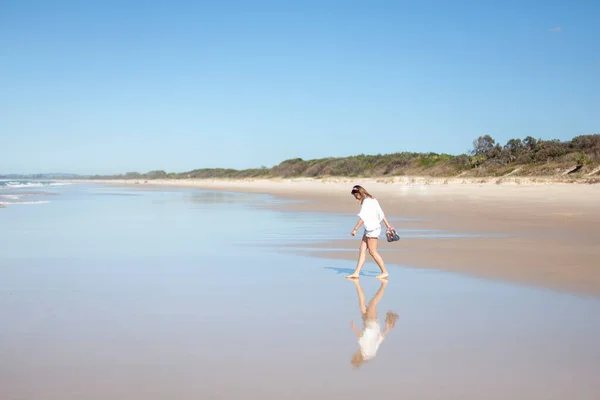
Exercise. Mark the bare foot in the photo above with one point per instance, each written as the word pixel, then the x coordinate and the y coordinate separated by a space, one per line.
pixel 352 276
pixel 382 276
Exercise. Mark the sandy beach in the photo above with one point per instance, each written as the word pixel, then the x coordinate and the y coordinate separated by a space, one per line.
pixel 127 291
pixel 534 232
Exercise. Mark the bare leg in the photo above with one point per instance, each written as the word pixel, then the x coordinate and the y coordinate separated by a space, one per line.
pixel 361 297
pixel 362 256
pixel 372 307
pixel 372 245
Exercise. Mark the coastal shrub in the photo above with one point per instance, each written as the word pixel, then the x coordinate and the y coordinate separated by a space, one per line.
pixel 461 162
pixel 289 168
pixel 430 159
pixel 483 145
pixel 156 175
pixel 549 150
pixel 587 144
pixel 486 158
pixel 582 159
pixel 348 167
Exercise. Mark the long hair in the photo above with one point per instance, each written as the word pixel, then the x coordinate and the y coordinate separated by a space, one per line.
pixel 357 359
pixel 362 192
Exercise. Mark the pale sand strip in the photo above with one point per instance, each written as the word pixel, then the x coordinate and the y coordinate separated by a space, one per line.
pixel 553 229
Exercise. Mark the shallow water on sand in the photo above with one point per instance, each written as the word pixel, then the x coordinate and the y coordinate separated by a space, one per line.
pixel 126 294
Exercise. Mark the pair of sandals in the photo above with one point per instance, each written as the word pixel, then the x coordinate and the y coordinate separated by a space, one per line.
pixel 391 235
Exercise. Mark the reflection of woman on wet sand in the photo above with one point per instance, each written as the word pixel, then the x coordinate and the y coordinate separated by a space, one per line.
pixel 371 336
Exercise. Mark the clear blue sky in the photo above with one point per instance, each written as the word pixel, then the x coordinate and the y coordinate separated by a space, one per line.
pixel 117 86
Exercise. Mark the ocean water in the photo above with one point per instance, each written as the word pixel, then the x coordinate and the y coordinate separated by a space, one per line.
pixel 27 192
pixel 127 293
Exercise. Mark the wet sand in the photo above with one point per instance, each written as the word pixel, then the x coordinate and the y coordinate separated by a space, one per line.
pixel 280 327
pixel 545 235
pixel 169 293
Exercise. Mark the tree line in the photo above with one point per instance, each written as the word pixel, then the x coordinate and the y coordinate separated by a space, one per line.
pixel 530 156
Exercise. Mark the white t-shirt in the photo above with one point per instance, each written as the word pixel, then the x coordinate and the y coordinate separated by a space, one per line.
pixel 370 339
pixel 371 214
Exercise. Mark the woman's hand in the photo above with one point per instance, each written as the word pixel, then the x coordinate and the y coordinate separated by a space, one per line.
pixel 358 224
pixel 387 224
pixel 390 319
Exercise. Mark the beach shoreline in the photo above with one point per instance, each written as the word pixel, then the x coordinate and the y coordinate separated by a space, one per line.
pixel 538 233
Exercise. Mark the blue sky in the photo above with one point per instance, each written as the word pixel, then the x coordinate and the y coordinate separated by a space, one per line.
pixel 117 86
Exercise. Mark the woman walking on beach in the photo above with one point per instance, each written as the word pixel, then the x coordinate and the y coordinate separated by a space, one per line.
pixel 371 216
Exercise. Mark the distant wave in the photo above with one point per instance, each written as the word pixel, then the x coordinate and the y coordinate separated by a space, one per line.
pixel 11 203
pixel 29 184
pixel 11 196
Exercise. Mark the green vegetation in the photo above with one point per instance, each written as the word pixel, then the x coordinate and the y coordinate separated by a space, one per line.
pixel 528 157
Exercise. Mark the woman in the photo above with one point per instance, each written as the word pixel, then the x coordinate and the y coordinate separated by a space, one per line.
pixel 371 216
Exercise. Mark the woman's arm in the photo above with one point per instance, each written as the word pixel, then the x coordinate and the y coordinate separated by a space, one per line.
pixel 390 321
pixel 387 224
pixel 358 224
pixel 386 331
pixel 355 329
pixel 383 218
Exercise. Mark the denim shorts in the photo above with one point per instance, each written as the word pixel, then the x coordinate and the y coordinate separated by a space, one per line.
pixel 375 233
